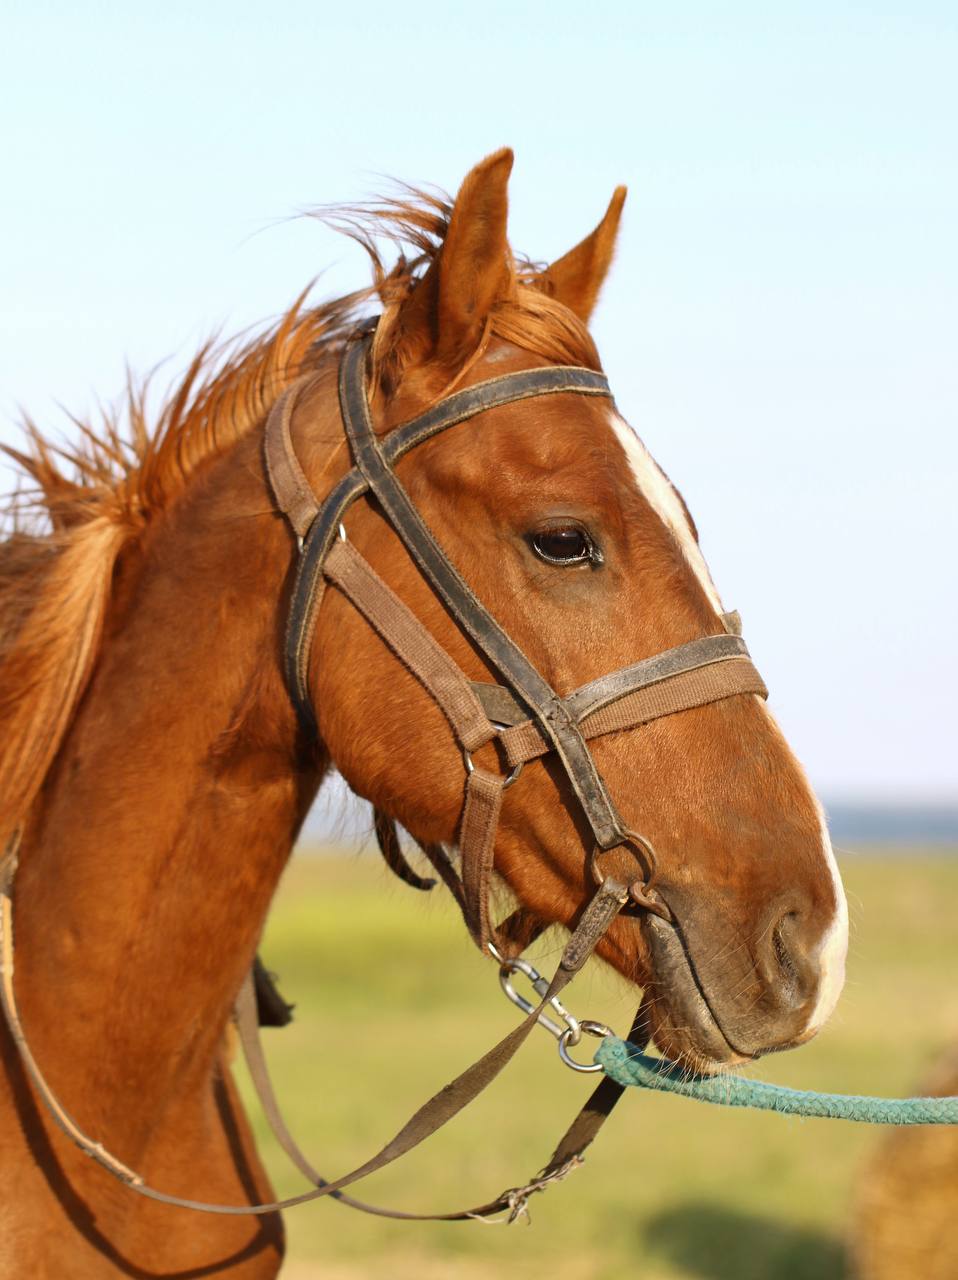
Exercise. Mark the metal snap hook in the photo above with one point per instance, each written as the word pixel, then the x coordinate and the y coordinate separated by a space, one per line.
pixel 540 986
pixel 567 1037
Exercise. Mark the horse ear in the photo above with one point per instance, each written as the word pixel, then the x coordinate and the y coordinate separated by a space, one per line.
pixel 474 267
pixel 444 317
pixel 576 278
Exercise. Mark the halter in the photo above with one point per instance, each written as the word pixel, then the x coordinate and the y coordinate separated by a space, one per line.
pixel 523 714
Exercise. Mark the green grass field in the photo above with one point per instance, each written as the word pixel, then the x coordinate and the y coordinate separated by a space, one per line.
pixel 392 1000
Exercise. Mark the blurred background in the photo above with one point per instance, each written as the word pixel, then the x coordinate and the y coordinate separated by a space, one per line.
pixel 779 327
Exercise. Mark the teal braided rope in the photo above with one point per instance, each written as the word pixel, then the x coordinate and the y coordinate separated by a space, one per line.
pixel 626 1065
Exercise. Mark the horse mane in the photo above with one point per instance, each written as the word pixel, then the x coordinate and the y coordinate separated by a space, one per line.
pixel 79 504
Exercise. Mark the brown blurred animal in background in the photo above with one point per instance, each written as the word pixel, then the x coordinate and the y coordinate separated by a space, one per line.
pixel 905 1224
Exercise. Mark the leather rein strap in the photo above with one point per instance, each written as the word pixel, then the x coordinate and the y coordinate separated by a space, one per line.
pixel 438 1111
pixel 525 715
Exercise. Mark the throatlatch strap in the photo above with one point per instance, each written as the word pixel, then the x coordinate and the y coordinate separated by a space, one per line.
pixel 387 837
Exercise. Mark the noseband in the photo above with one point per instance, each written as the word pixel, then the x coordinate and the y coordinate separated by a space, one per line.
pixel 523 714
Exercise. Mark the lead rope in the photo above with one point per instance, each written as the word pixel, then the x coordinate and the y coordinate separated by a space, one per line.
pixel 629 1066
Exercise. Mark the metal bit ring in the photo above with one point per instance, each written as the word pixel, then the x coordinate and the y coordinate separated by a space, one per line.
pixel 640 890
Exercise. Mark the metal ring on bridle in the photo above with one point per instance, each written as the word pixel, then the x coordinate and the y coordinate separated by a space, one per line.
pixel 639 889
pixel 471 768
pixel 570 1038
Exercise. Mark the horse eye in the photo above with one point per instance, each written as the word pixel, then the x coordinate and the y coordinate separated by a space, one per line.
pixel 569 545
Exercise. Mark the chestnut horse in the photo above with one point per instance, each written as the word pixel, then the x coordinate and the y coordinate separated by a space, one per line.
pixel 158 776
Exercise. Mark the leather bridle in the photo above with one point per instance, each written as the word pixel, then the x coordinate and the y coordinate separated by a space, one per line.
pixel 523 714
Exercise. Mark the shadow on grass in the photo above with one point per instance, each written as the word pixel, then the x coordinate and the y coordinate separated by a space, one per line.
pixel 720 1243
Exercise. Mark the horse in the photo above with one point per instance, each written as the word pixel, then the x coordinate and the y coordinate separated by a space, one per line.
pixel 156 771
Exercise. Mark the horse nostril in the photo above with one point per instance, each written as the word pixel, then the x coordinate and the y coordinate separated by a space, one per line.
pixel 789 970
pixel 781 948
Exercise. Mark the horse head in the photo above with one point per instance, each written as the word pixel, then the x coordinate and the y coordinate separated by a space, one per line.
pixel 572 537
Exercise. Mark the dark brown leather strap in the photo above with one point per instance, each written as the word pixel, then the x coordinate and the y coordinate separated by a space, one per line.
pixel 307 592
pixel 590 1119
pixel 387 837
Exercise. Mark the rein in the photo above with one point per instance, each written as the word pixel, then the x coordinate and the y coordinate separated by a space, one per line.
pixel 524 715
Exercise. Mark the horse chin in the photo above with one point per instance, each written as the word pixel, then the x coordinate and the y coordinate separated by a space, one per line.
pixel 681 1022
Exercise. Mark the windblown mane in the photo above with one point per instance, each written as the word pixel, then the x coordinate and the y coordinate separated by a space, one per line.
pixel 79 504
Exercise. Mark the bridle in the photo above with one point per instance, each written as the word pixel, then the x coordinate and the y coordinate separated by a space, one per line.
pixel 523 714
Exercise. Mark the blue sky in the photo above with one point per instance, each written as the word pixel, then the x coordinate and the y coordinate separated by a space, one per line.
pixel 779 326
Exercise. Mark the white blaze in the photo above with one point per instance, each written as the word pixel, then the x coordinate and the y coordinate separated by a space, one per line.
pixel 654 486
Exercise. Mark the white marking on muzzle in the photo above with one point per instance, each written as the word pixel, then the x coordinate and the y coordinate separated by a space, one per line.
pixel 833 947
pixel 655 487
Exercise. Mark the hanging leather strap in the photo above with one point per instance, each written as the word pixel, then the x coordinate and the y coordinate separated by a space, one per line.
pixel 438 1111
pixel 566 1156
pixel 387 837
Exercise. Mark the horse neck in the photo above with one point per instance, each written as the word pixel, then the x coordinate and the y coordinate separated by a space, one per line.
pixel 148 867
